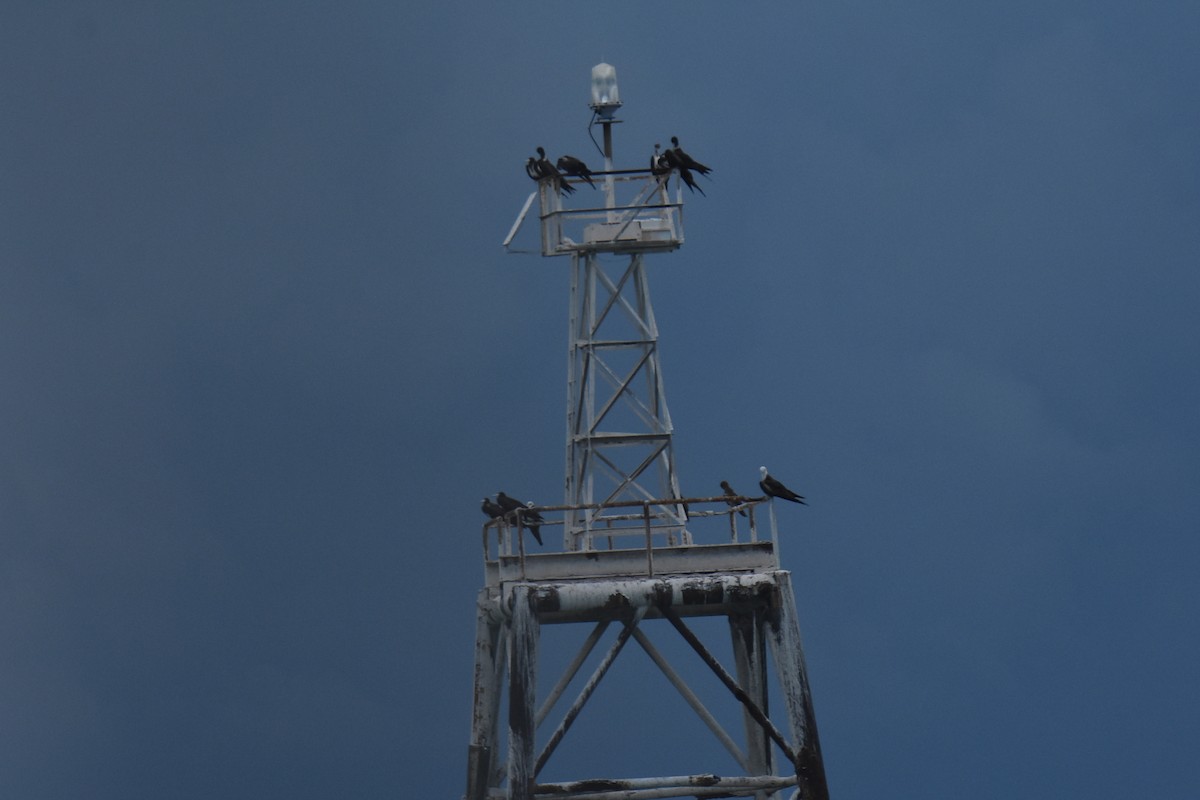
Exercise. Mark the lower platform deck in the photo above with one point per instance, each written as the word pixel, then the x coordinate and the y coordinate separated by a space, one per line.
pixel 632 563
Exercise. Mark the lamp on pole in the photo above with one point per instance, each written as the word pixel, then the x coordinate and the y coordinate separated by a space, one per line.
pixel 606 99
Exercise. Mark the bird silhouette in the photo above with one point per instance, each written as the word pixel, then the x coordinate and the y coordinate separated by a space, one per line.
pixel 492 509
pixel 734 497
pixel 671 159
pixel 773 488
pixel 523 515
pixel 570 165
pixel 685 160
pixel 540 169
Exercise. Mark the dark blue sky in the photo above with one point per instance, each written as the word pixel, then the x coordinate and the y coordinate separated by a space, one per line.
pixel 262 354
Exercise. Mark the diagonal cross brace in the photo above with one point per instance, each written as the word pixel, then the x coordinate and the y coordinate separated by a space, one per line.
pixel 690 697
pixel 621 390
pixel 616 296
pixel 629 480
pixel 588 688
pixel 732 685
pixel 571 670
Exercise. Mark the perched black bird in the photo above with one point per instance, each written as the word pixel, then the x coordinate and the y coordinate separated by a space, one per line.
pixel 685 160
pixel 733 497
pixel 773 488
pixel 531 169
pixel 541 169
pixel 531 519
pixel 491 508
pixel 524 515
pixel 508 503
pixel 671 160
pixel 686 175
pixel 570 165
pixel 658 162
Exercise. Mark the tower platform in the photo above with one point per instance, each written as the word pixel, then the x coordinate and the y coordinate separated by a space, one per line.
pixel 640 575
pixel 627 564
pixel 644 219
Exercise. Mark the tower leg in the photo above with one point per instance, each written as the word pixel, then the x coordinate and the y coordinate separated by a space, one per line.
pixel 750 660
pixel 522 711
pixel 489 672
pixel 784 628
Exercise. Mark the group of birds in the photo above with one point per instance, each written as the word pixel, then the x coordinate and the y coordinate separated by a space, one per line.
pixel 540 169
pixel 770 486
pixel 676 159
pixel 663 162
pixel 522 513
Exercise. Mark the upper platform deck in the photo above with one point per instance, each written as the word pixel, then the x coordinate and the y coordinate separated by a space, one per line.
pixel 628 211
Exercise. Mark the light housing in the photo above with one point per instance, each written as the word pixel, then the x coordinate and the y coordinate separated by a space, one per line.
pixel 606 96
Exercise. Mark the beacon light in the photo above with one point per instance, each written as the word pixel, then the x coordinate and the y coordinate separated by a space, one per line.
pixel 606 97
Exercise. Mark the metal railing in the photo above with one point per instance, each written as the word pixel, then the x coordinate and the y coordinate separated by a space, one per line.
pixel 627 527
pixel 648 220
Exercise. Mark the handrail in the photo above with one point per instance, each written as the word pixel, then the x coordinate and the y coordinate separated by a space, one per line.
pixel 566 212
pixel 657 222
pixel 666 501
pixel 639 511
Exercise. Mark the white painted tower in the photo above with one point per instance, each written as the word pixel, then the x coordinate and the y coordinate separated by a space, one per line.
pixel 637 555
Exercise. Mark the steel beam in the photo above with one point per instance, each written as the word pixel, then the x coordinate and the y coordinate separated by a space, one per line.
pixel 571 669
pixel 489 674
pixel 717 594
pixel 751 707
pixel 750 661
pixel 678 786
pixel 784 631
pixel 522 661
pixel 587 690
pixel 692 700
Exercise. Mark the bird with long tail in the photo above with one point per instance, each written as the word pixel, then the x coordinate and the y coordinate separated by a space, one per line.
pixel 773 488
pixel 570 165
pixel 523 514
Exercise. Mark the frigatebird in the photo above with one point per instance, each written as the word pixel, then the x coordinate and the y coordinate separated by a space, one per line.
pixel 570 165
pixel 734 497
pixel 523 514
pixel 658 162
pixel 508 503
pixel 773 488
pixel 532 517
pixel 685 160
pixel 686 175
pixel 671 160
pixel 491 508
pixel 531 169
pixel 541 169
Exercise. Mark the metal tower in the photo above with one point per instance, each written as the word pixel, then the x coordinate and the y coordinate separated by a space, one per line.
pixel 631 555
pixel 618 426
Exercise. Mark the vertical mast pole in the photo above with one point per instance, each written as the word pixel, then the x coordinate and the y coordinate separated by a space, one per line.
pixel 609 193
